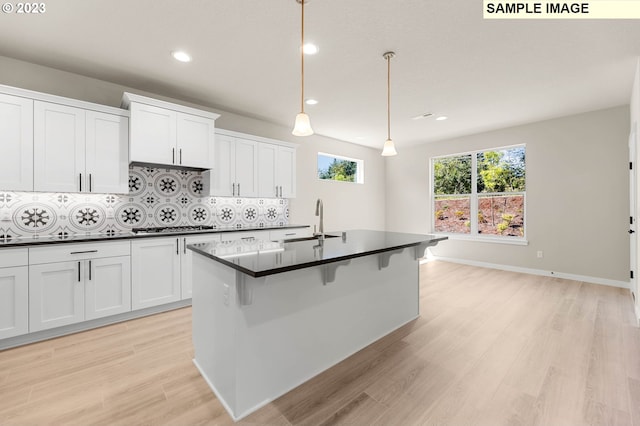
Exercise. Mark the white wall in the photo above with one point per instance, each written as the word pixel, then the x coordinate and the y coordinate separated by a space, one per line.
pixel 577 195
pixel 347 206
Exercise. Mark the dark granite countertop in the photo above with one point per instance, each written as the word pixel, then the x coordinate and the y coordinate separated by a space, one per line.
pixel 259 258
pixel 54 239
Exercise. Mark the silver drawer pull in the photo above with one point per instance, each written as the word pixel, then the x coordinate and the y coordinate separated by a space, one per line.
pixel 288 235
pixel 85 251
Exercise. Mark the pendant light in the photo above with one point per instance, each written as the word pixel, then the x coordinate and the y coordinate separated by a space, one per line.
pixel 389 149
pixel 302 126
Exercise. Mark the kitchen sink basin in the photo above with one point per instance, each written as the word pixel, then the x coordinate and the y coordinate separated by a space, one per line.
pixel 293 240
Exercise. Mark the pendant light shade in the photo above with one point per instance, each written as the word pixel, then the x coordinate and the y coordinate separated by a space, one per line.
pixel 302 126
pixel 389 148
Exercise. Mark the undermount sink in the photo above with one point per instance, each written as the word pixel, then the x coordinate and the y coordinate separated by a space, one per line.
pixel 293 240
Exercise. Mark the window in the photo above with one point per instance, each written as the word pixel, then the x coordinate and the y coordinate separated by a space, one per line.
pixel 343 169
pixel 481 193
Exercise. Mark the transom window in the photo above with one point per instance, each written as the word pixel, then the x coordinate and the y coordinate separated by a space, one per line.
pixel 337 167
pixel 480 193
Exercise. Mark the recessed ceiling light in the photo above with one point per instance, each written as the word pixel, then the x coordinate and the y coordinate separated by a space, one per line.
pixel 421 116
pixel 441 118
pixel 311 101
pixel 181 55
pixel 310 49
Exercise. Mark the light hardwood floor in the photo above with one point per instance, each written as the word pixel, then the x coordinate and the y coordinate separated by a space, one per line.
pixel 491 348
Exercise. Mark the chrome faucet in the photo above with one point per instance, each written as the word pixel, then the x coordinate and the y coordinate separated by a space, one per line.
pixel 320 212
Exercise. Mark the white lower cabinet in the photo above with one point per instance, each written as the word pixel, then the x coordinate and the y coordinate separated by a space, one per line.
pixel 155 275
pixel 14 293
pixel 88 287
pixel 108 287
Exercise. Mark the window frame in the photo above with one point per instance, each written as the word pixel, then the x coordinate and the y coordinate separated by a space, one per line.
pixel 359 178
pixel 474 197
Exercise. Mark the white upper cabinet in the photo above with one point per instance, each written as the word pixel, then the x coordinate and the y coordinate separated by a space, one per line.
pixel 55 144
pixel 78 150
pixel 252 166
pixel 267 170
pixel 106 153
pixel 59 143
pixel 286 172
pixel 153 134
pixel 195 140
pixel 16 143
pixel 246 168
pixel 163 133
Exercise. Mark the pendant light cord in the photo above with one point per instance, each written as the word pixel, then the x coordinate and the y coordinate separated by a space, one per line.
pixel 302 59
pixel 388 97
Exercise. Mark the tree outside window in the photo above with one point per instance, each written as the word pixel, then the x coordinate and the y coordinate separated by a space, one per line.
pixel 480 193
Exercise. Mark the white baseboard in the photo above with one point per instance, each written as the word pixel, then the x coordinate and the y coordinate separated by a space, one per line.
pixel 542 272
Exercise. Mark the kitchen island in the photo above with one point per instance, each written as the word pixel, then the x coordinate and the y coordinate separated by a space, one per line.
pixel 269 315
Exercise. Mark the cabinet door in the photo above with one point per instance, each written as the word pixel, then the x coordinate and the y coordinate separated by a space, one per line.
pixel 221 177
pixel 286 169
pixel 246 168
pixel 14 301
pixel 194 141
pixel 56 295
pixel 186 260
pixel 107 286
pixel 107 153
pixel 16 143
pixel 155 272
pixel 267 173
pixel 153 134
pixel 58 145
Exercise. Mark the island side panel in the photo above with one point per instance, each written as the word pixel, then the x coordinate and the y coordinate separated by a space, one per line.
pixel 296 327
pixel 213 327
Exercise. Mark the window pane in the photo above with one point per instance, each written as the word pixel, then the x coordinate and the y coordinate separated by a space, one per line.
pixel 501 215
pixel 452 175
pixel 501 170
pixel 452 214
pixel 336 168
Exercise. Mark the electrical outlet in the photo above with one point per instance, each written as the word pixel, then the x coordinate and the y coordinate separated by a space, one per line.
pixel 226 295
pixel 540 254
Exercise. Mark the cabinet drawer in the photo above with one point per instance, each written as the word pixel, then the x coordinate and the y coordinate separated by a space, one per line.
pixel 285 234
pixel 70 252
pixel 14 257
pixel 244 235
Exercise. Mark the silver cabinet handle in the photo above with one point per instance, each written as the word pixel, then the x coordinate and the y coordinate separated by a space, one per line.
pixel 173 156
pixel 89 182
pixel 180 155
pixel 185 246
pixel 89 270
pixel 78 271
pixel 276 190
pixel 238 189
pixel 178 246
pixel 84 251
pixel 80 182
pixel 280 191
pixel 234 189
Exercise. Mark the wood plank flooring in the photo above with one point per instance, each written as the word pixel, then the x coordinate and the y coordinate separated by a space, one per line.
pixel 490 348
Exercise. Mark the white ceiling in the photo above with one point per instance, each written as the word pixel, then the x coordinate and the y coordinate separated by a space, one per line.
pixel 482 74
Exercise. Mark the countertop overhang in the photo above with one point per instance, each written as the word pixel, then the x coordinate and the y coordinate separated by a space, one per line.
pixel 260 258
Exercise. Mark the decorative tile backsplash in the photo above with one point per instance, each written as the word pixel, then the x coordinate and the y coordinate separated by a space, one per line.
pixel 157 197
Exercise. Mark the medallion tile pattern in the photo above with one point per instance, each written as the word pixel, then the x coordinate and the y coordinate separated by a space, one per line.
pixel 157 197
